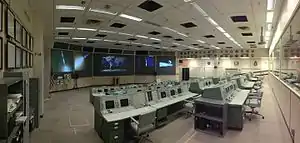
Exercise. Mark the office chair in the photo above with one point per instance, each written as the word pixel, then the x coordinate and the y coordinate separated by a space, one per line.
pixel 144 126
pixel 254 101
pixel 189 108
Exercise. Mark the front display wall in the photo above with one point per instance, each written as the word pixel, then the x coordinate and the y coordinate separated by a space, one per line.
pixel 95 68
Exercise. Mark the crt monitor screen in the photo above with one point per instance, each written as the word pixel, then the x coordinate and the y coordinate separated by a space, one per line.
pixel 163 95
pixel 109 104
pixel 149 96
pixel 124 102
pixel 173 92
pixel 179 90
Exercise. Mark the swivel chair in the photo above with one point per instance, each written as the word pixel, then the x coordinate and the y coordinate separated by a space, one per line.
pixel 253 102
pixel 144 126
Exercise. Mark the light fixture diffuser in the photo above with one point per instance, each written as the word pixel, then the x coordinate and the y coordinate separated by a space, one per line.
pixel 125 34
pixel 270 15
pixel 130 17
pixel 102 11
pixel 106 31
pixel 94 39
pixel 69 7
pixel 141 36
pixel 86 29
pixel 65 28
pixel 78 38
pixel 270 4
pixel 155 39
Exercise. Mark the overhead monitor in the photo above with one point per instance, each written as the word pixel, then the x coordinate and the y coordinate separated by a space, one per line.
pixel 179 90
pixel 113 65
pixel 124 102
pixel 163 94
pixel 166 65
pixel 149 96
pixel 61 61
pixel 173 92
pixel 109 104
pixel 145 65
pixel 83 63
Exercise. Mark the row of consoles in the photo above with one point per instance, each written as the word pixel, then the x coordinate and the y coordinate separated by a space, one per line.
pixel 156 104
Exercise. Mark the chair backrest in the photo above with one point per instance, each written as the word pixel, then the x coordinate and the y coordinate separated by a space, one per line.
pixel 146 120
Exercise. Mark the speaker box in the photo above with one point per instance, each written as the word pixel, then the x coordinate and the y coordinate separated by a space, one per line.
pixel 185 74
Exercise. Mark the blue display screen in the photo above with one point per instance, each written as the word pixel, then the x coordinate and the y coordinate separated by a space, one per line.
pixel 149 61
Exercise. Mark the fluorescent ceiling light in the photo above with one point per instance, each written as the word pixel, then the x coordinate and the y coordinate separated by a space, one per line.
pixel 155 39
pixel 176 44
pixel 86 29
pixel 70 7
pixel 187 0
pixel 170 29
pixel 270 4
pixel 182 34
pixel 227 35
pixel 65 28
pixel 106 31
pixel 146 45
pixel 136 43
pixel 125 34
pixel 130 17
pixel 164 47
pixel 106 40
pixel 124 42
pixel 141 36
pixel 95 39
pixel 244 57
pixel 269 26
pixel 270 15
pixel 156 46
pixel 199 9
pixel 78 38
pixel 220 29
pixel 211 21
pixel 201 41
pixel 103 11
pixel 62 38
pixel 268 34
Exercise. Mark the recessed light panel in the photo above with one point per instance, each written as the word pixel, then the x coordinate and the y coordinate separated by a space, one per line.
pixel 251 42
pixel 241 18
pixel 150 5
pixel 178 39
pixel 188 25
pixel 67 19
pixel 131 39
pixel 154 33
pixel 209 36
pixel 63 33
pixel 221 42
pixel 247 34
pixel 118 25
pixel 101 35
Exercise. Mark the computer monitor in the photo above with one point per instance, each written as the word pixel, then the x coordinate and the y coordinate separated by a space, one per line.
pixel 179 90
pixel 112 89
pixel 110 104
pixel 163 94
pixel 124 102
pixel 139 90
pixel 99 90
pixel 105 90
pixel 173 92
pixel 149 96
